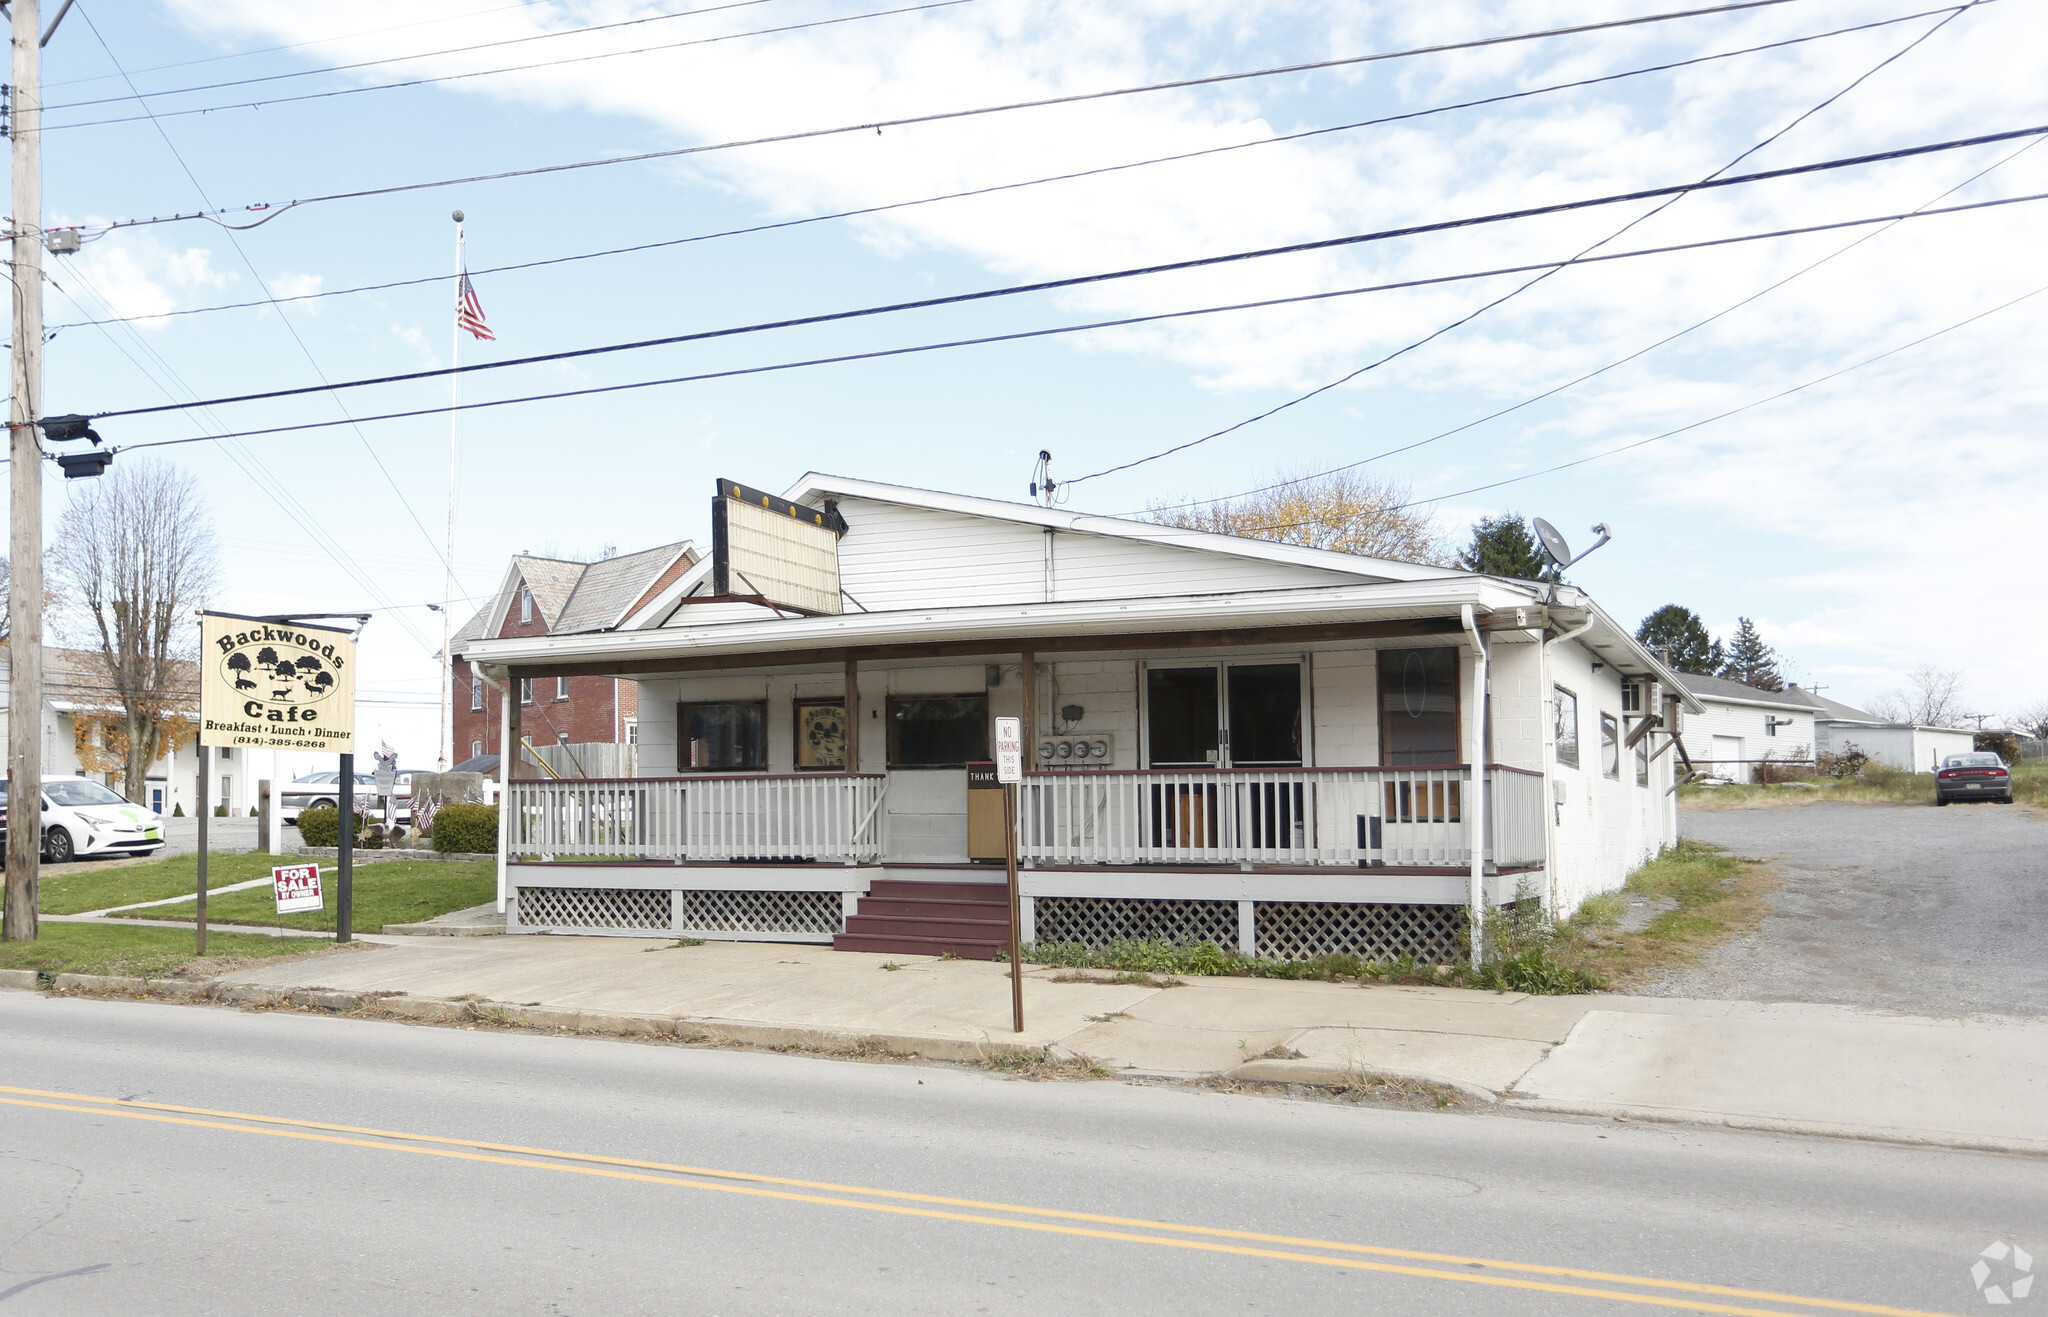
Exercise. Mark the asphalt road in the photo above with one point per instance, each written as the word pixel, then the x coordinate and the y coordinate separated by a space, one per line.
pixel 1901 907
pixel 111 1206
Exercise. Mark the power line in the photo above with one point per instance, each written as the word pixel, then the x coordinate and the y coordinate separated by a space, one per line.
pixel 275 209
pixel 1924 209
pixel 1053 178
pixel 1720 416
pixel 295 45
pixel 1513 293
pixel 488 73
pixel 399 59
pixel 1020 335
pixel 1204 262
pixel 261 283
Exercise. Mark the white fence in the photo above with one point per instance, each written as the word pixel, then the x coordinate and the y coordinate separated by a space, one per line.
pixel 806 816
pixel 1306 816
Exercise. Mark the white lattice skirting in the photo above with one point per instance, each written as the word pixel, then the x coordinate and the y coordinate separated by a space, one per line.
pixel 1302 930
pixel 1287 930
pixel 810 915
pixel 1095 921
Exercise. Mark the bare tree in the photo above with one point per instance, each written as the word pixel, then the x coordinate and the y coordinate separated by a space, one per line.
pixel 2031 721
pixel 1341 510
pixel 134 556
pixel 1931 697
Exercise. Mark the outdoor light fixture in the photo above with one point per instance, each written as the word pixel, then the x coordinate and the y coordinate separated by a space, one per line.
pixel 62 429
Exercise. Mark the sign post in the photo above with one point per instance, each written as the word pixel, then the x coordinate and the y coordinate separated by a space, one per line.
pixel 1009 772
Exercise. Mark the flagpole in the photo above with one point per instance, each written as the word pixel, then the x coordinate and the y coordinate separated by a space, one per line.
pixel 447 760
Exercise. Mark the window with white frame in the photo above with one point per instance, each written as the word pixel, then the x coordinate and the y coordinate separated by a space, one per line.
pixel 476 696
pixel 476 748
pixel 632 731
pixel 1566 712
pixel 1610 746
pixel 1632 697
pixel 526 690
pixel 561 688
pixel 525 605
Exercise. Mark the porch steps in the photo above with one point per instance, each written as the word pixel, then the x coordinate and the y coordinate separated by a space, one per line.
pixel 970 920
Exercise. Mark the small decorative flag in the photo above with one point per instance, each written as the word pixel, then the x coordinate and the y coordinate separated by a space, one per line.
pixel 469 313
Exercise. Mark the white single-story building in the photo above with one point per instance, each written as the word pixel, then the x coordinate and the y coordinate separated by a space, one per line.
pixel 1286 750
pixel 1744 726
pixel 1908 747
pixel 71 691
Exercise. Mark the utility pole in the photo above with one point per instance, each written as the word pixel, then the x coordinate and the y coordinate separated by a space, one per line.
pixel 25 598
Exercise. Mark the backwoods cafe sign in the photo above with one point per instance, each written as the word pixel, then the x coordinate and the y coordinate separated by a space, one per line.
pixel 276 686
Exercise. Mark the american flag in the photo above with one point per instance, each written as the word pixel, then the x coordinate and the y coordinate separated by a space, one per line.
pixel 469 313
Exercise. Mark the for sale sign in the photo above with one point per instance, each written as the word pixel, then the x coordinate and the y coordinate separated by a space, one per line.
pixel 1009 750
pixel 297 887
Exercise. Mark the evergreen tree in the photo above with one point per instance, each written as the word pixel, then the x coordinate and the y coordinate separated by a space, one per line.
pixel 1505 546
pixel 1678 630
pixel 1750 660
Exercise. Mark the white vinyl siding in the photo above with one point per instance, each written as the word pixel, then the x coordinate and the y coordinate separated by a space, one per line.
pixel 896 556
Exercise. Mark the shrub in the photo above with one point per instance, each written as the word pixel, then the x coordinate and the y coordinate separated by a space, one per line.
pixel 1850 762
pixel 2003 744
pixel 220 811
pixel 466 829
pixel 252 811
pixel 322 826
pixel 177 811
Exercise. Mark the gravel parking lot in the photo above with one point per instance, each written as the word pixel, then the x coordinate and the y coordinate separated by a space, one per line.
pixel 1900 907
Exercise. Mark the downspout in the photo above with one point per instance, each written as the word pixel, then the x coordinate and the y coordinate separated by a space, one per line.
pixel 1475 796
pixel 476 670
pixel 1549 693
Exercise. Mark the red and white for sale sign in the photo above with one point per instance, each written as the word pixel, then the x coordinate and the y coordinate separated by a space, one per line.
pixel 297 887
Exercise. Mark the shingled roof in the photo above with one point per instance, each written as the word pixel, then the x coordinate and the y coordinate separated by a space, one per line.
pixel 574 596
pixel 1708 688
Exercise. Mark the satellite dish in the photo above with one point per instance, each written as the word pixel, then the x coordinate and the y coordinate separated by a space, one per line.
pixel 1553 543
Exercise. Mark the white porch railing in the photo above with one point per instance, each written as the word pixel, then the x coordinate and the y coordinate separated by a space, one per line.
pixel 1306 816
pixel 804 816
pixel 1514 815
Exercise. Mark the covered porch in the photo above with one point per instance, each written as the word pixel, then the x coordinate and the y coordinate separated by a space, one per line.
pixel 1218 784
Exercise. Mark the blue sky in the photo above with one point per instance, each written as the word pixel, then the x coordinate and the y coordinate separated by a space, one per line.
pixel 1832 517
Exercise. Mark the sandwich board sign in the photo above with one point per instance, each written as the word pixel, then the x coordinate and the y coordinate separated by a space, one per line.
pixel 276 686
pixel 1009 750
pixel 297 887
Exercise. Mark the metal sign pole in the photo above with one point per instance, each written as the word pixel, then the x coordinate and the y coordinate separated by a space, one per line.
pixel 1016 907
pixel 1009 772
pixel 345 853
pixel 205 762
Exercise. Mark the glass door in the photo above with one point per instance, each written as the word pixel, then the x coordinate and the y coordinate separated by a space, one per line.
pixel 1225 715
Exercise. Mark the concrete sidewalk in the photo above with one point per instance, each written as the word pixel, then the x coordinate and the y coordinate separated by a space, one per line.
pixel 1973 1082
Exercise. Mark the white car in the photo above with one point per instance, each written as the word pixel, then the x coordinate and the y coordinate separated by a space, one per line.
pixel 84 820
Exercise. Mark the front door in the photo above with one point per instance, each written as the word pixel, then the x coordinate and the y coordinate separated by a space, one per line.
pixel 1225 715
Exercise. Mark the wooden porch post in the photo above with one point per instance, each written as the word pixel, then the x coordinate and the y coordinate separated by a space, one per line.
pixel 852 717
pixel 1028 675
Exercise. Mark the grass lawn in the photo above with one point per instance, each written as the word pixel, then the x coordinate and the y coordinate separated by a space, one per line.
pixel 387 892
pixel 1874 786
pixel 1717 896
pixel 150 952
pixel 94 886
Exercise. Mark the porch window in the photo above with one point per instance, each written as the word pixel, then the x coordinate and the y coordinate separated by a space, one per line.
pixel 728 737
pixel 1610 746
pixel 820 735
pixel 1566 708
pixel 937 731
pixel 1418 706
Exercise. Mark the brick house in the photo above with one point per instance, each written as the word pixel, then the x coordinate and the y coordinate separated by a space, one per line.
pixel 551 597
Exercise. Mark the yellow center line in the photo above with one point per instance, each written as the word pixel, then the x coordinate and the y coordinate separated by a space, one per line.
pixel 600 1166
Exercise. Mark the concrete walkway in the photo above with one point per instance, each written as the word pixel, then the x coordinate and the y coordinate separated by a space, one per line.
pixel 1979 1082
